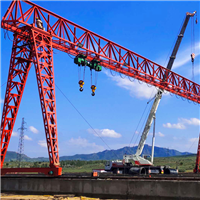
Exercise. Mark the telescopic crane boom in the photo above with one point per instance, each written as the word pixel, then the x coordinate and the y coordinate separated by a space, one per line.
pixel 137 158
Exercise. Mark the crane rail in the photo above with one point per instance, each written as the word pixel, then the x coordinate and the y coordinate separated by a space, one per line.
pixel 86 176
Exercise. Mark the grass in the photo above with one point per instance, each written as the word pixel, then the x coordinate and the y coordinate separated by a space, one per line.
pixel 184 164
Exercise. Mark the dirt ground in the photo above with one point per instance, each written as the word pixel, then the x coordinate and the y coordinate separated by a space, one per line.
pixel 5 196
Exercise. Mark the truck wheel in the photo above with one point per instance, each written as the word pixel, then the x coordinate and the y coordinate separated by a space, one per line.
pixel 142 171
pixel 115 171
pixel 166 171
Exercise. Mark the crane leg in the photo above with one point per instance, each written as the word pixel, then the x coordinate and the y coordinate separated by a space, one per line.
pixel 197 169
pixel 43 61
pixel 20 64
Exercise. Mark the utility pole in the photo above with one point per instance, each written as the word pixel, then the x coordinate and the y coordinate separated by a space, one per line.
pixel 21 142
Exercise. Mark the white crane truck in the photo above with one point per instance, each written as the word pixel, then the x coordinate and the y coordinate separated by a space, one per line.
pixel 135 164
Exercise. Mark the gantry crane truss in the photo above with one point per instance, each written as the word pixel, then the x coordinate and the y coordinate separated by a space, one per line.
pixel 32 45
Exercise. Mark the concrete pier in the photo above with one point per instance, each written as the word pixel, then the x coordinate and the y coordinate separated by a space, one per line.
pixel 102 188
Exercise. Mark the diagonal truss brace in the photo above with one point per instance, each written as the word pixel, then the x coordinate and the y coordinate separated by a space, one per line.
pixel 35 48
pixel 43 61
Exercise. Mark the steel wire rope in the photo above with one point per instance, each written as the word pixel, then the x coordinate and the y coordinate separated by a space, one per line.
pixel 8 35
pixel 111 72
pixel 191 146
pixel 3 84
pixel 149 85
pixel 130 79
pixel 143 123
pixel 140 119
pixel 85 119
pixel 120 74
pixel 174 41
pixel 96 78
pixel 192 45
pixel 140 82
pixel 130 151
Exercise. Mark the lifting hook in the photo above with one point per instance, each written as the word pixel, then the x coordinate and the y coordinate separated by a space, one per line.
pixel 81 83
pixel 93 87
pixel 192 57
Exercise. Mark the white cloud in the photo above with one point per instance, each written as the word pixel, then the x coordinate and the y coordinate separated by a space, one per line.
pixel 33 129
pixel 104 133
pixel 15 134
pixel 141 91
pixel 191 121
pixel 184 57
pixel 135 88
pixel 182 122
pixel 176 126
pixel 84 146
pixel 27 138
pixel 42 143
pixel 1 101
pixel 159 134
pixel 194 139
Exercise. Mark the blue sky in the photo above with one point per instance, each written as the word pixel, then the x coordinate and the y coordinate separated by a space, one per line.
pixel 147 28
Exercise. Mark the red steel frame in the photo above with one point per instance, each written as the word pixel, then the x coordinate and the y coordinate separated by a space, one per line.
pixel 71 38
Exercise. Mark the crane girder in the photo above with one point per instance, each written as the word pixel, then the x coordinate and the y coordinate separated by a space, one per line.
pixel 74 39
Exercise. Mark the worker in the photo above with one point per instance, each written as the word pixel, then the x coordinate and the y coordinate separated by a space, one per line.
pixel 93 87
pixel 39 23
pixel 192 57
pixel 81 83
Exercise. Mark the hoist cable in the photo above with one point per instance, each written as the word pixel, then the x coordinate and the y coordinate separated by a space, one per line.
pixel 84 73
pixel 143 123
pixel 167 58
pixel 3 84
pixel 192 46
pixel 85 119
pixel 91 75
pixel 96 77
pixel 140 119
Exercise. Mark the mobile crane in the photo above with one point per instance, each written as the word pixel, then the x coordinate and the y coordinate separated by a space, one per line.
pixel 135 164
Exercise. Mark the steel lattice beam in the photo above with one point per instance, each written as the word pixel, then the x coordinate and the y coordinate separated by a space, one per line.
pixel 74 39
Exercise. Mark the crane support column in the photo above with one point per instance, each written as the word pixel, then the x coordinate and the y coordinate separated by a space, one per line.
pixel 196 169
pixel 43 61
pixel 20 64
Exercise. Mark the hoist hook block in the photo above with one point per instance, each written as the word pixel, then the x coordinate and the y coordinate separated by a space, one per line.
pixel 81 83
pixel 93 87
pixel 80 60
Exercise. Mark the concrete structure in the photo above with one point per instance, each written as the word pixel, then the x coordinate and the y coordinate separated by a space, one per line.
pixel 102 188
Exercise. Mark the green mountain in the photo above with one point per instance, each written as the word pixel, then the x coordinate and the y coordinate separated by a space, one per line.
pixel 11 155
pixel 118 154
pixel 105 155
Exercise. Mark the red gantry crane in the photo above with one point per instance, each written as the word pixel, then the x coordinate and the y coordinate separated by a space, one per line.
pixel 36 32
